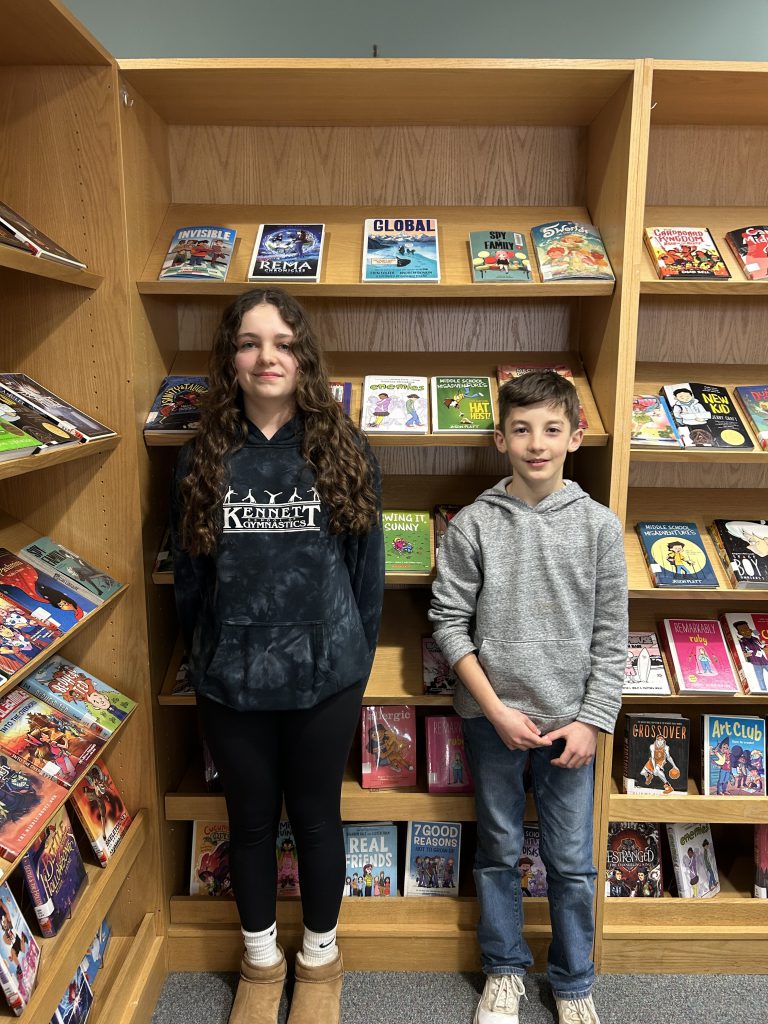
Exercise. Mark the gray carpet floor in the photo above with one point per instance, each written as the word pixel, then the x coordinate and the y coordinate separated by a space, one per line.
pixel 406 998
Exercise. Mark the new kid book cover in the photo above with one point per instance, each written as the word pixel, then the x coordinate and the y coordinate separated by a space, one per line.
pixel 685 252
pixel 288 886
pixel 394 404
pixel 19 953
pixel 697 655
pixel 102 813
pixel 733 755
pixel 693 858
pixel 447 765
pixel 644 671
pixel 199 252
pixel 656 751
pixel 371 854
pixel 511 370
pixel 67 567
pixel 27 800
pixel 533 873
pixel 675 555
pixel 753 400
pixel 746 634
pixel 652 423
pixel 177 403
pixel 633 860
pixel 54 873
pixel 742 545
pixel 499 256
pixel 750 247
pixel 462 405
pixel 289 252
pixel 438 674
pixel 400 249
pixel 407 541
pixel 388 735
pixel 432 858
pixel 706 416
pixel 51 603
pixel 567 250
pixel 209 871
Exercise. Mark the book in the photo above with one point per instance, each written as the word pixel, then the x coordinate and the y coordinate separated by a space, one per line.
pixel 40 244
pixel 533 872
pixel 706 416
pixel 201 252
pixel 675 555
pixel 656 751
pixel 407 541
pixel 761 861
pixel 93 960
pixel 67 567
pixel 511 370
pixel 209 871
pixel 462 405
pixel 633 860
pixel 697 656
pixel 652 423
pixel 76 422
pixel 644 672
pixel 443 515
pixel 499 256
pixel 342 393
pixel 393 404
pixel 164 558
pixel 287 252
pixel 371 856
pixel 750 247
pixel 75 1005
pixel 388 737
pixel 8 238
pixel 432 858
pixel 746 634
pixel 447 766
pixel 693 860
pixel 287 862
pixel 102 813
pixel 27 800
pixel 54 873
pixel 19 953
pixel 733 755
pixel 437 673
pixel 76 693
pixel 22 636
pixel 50 602
pixel 181 684
pixel 685 252
pixel 753 401
pixel 400 249
pixel 15 443
pixel 567 250
pixel 742 545
pixel 19 415
pixel 177 403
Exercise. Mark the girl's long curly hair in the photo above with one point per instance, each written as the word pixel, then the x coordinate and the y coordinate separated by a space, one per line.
pixel 332 446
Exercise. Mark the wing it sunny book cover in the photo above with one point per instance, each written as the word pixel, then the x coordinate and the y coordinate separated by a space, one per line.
pixel 407 541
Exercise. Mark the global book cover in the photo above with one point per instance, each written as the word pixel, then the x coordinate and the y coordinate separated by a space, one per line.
pixel 437 673
pixel 76 422
pixel 750 246
pixel 400 249
pixel 52 603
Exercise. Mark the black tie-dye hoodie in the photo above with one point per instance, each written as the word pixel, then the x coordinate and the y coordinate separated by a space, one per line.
pixel 285 614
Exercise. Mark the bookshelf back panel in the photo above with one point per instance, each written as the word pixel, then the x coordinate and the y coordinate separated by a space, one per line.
pixel 687 328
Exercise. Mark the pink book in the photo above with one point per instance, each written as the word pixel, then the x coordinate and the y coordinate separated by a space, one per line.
pixel 389 746
pixel 698 656
pixel 447 767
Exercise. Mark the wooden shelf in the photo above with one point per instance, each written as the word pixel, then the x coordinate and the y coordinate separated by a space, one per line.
pixel 56 456
pixel 695 92
pixel 26 263
pixel 692 807
pixel 128 985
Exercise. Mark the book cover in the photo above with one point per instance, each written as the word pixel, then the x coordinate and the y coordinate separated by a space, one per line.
pixel 633 860
pixel 742 545
pixel 209 872
pixel 22 636
pixel 746 634
pixel 750 247
pixel 693 859
pixel 51 603
pixel 201 252
pixel 761 861
pixel 652 423
pixel 644 672
pixel 698 656
pixel 289 252
pixel 27 800
pixel 287 862
pixel 447 765
pixel 164 557
pixel 388 737
pixel 400 249
pixel 177 403
pixel 567 250
pixel 76 422
pixel 15 443
pixel 684 252
pixel 499 256
pixel 40 243
pixel 675 555
pixel 371 853
pixel 21 417
pixel 437 673
pixel 733 755
pixel 342 393
pixel 181 684
pixel 443 515
pixel 393 404
pixel 8 238
pixel 102 813
pixel 656 754
pixel 75 692
pixel 407 541
pixel 93 960
pixel 753 400
pixel 511 370
pixel 706 417
pixel 67 567
pixel 75 1005
pixel 54 873
pixel 432 858
pixel 462 405
pixel 533 873
pixel 19 953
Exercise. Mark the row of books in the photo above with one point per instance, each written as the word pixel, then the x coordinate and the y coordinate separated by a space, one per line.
pixel 395 248
pixel 18 233
pixel 693 415
pixel 675 554
pixel 686 253
pixel 389 750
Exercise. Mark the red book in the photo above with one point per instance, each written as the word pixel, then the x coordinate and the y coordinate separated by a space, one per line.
pixel 447 766
pixel 102 813
pixel 389 746
pixel 698 656
pixel 27 801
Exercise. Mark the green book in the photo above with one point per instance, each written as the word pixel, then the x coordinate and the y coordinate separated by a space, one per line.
pixel 15 443
pixel 407 541
pixel 499 257
pixel 462 405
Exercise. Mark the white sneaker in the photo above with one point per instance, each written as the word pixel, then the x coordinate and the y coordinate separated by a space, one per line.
pixel 577 1011
pixel 500 1000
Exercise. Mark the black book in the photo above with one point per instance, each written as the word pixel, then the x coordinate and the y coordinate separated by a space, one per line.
pixel 656 751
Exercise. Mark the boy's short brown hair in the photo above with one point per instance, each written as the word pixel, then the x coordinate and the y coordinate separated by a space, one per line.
pixel 535 387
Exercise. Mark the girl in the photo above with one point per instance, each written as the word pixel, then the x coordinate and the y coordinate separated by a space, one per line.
pixel 279 574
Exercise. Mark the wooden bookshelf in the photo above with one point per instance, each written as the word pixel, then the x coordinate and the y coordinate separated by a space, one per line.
pixel 26 263
pixel 56 457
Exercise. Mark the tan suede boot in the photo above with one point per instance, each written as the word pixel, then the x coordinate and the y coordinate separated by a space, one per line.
pixel 258 993
pixel 317 994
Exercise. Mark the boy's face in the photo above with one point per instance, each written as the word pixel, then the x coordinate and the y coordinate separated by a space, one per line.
pixel 536 440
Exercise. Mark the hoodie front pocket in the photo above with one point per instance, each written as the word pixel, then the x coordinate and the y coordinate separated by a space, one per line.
pixel 536 664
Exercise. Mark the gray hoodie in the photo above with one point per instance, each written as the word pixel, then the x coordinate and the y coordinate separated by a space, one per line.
pixel 540 594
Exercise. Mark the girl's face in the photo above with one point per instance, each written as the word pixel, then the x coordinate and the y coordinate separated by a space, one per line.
pixel 265 365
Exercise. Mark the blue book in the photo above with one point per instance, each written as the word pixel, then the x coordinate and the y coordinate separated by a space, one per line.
pixel 432 858
pixel 371 852
pixel 67 567
pixel 93 960
pixel 51 603
pixel 201 252
pixel 292 252
pixel 54 873
pixel 400 249
pixel 733 755
pixel 177 403
pixel 75 1005
pixel 675 555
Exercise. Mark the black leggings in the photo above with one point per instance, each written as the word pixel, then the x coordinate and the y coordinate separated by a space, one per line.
pixel 261 757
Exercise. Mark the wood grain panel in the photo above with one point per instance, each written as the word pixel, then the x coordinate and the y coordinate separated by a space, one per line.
pixel 45 32
pixel 729 476
pixel 695 329
pixel 710 92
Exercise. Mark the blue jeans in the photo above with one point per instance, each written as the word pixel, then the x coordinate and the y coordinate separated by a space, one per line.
pixel 564 801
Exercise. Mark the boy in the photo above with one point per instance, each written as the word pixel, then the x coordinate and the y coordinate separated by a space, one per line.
pixel 530 609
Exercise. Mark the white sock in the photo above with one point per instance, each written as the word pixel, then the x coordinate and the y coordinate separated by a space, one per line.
pixel 261 947
pixel 318 948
